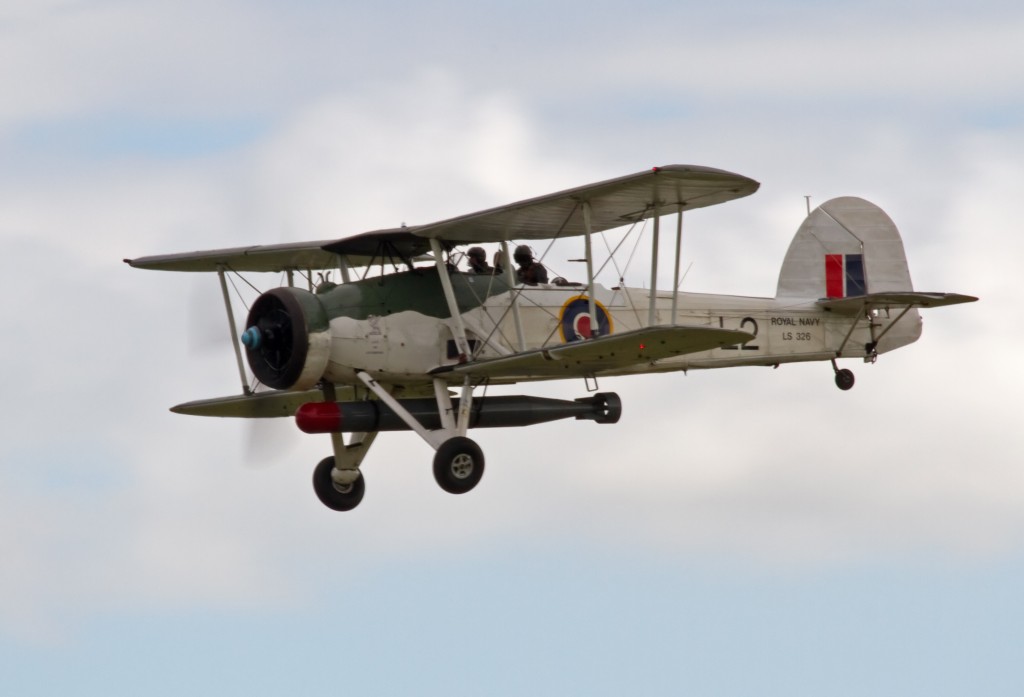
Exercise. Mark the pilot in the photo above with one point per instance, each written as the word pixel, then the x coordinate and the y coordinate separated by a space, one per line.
pixel 478 261
pixel 529 272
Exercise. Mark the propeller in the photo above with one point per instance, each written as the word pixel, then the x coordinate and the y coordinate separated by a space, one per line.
pixel 275 342
pixel 271 338
pixel 270 442
pixel 276 339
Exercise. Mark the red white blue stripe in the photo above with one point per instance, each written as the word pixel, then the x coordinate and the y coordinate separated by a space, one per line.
pixel 844 275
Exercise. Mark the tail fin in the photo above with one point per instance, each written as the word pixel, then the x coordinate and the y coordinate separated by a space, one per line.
pixel 845 247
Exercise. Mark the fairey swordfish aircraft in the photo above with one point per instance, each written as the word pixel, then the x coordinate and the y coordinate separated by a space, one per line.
pixel 407 349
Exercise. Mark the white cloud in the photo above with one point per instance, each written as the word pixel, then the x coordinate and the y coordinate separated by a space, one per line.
pixel 382 157
pixel 829 63
pixel 65 60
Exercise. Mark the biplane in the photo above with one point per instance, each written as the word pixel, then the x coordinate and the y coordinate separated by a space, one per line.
pixel 355 353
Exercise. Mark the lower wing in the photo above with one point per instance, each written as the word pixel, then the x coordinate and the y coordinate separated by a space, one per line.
pixel 583 358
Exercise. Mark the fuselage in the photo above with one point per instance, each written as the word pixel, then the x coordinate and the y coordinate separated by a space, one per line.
pixel 397 328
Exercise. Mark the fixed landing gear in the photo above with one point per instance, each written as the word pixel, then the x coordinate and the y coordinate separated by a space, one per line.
pixel 844 377
pixel 458 465
pixel 336 496
pixel 458 468
pixel 441 423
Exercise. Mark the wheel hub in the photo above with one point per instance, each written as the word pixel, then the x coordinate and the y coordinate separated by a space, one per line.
pixel 462 466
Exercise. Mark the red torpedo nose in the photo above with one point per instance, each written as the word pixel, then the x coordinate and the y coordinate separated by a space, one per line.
pixel 319 417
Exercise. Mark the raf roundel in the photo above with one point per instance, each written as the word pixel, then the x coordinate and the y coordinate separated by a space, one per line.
pixel 574 322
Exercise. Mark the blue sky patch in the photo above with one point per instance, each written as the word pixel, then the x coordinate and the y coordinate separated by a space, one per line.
pixel 126 135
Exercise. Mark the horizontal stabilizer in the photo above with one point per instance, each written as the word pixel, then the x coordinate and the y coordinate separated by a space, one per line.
pixel 581 358
pixel 874 301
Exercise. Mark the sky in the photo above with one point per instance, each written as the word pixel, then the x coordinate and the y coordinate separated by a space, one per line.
pixel 747 531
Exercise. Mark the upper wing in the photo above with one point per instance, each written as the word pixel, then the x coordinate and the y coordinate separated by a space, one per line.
pixel 273 257
pixel 614 203
pixel 871 301
pixel 604 353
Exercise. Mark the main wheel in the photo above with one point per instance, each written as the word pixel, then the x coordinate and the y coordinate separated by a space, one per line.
pixel 844 379
pixel 458 465
pixel 335 496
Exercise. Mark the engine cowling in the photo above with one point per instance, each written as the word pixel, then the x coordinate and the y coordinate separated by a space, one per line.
pixel 287 339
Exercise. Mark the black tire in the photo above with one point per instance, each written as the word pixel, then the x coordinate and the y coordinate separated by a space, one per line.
pixel 458 465
pixel 330 494
pixel 844 379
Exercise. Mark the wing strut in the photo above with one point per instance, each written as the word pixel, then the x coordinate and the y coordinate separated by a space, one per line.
pixel 595 327
pixel 510 278
pixel 231 330
pixel 459 329
pixel 654 262
pixel 679 253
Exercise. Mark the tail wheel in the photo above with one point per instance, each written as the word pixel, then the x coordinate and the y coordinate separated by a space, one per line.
pixel 333 495
pixel 844 379
pixel 458 465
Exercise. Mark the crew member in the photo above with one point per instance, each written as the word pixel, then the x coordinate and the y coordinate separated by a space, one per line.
pixel 529 272
pixel 478 261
